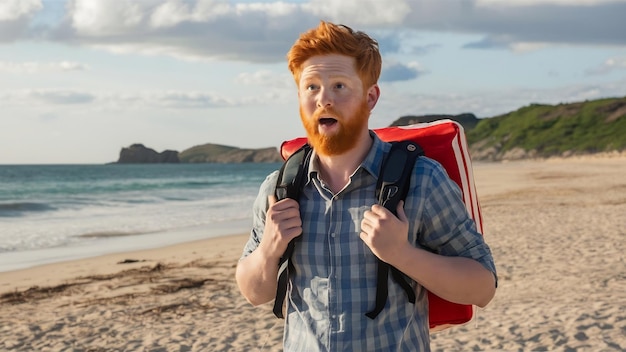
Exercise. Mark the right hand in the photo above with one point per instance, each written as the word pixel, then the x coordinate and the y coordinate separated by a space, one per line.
pixel 282 224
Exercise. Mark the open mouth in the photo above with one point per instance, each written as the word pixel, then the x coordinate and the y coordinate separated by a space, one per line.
pixel 327 121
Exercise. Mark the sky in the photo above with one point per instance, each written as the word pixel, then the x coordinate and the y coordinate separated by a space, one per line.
pixel 81 79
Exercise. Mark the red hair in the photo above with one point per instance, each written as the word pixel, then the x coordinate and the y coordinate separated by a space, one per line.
pixel 329 38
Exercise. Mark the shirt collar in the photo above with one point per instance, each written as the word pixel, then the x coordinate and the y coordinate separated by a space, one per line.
pixel 375 156
pixel 371 163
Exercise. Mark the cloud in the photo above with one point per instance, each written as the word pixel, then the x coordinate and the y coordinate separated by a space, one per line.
pixel 505 42
pixel 11 10
pixel 36 98
pixel 170 14
pixel 395 71
pixel 490 103
pixel 189 30
pixel 360 12
pixel 48 117
pixel 266 78
pixel 15 16
pixel 183 100
pixel 210 29
pixel 608 66
pixel 105 18
pixel 189 100
pixel 263 31
pixel 40 67
pixel 518 3
pixel 521 24
pixel 135 100
pixel 59 97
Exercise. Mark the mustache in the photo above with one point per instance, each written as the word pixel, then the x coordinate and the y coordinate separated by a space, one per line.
pixel 326 111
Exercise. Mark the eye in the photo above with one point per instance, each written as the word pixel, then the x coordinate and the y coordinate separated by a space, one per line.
pixel 311 87
pixel 340 85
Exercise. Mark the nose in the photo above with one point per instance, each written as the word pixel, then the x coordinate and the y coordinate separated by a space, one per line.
pixel 324 99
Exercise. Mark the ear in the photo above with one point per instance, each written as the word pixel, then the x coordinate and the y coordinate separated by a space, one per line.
pixel 373 93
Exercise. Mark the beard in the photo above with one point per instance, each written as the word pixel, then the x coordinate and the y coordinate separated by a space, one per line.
pixel 348 132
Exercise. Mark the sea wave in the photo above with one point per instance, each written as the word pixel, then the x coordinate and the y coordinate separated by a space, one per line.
pixel 109 234
pixel 61 206
pixel 20 208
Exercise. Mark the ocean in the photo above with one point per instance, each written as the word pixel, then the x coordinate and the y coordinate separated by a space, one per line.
pixel 51 213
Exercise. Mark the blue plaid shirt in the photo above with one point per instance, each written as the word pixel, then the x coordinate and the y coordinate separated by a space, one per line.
pixel 334 283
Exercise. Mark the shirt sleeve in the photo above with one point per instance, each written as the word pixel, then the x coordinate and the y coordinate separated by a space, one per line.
pixel 446 227
pixel 259 211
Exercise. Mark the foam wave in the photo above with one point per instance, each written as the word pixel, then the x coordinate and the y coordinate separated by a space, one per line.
pixel 109 234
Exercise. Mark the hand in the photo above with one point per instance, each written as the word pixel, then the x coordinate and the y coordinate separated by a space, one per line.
pixel 384 233
pixel 282 224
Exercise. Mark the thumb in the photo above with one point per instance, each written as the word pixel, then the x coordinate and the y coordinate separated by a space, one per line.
pixel 271 199
pixel 400 212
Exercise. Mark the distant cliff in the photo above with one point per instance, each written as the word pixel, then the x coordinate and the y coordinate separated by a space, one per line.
pixel 139 154
pixel 206 153
pixel 215 153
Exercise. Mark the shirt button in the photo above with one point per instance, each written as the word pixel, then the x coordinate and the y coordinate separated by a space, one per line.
pixel 332 235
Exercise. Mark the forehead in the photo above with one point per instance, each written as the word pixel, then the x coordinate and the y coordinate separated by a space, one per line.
pixel 329 65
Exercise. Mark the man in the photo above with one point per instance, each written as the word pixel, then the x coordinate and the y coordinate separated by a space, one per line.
pixel 340 229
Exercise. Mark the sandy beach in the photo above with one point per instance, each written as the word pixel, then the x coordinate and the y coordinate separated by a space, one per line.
pixel 557 229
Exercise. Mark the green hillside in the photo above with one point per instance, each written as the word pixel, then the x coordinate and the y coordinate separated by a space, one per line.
pixel 200 153
pixel 549 130
pixel 215 153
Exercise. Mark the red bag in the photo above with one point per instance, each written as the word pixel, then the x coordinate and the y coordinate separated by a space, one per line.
pixel 444 141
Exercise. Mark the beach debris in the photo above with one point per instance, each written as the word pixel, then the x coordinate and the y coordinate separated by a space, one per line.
pixel 130 261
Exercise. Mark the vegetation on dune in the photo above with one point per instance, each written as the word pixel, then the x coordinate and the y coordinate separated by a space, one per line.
pixel 548 130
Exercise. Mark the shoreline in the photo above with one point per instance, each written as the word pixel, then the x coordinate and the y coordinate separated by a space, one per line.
pixel 103 245
pixel 57 273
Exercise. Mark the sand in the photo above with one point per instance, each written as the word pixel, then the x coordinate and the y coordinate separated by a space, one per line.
pixel 557 229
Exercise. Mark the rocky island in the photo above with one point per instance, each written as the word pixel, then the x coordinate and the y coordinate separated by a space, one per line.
pixel 206 153
pixel 139 154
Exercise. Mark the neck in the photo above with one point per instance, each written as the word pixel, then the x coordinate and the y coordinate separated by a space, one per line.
pixel 335 170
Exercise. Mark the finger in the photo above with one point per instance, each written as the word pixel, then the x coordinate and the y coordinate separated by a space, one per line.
pixel 375 212
pixel 271 199
pixel 375 209
pixel 368 222
pixel 293 222
pixel 400 212
pixel 284 204
pixel 363 237
pixel 379 210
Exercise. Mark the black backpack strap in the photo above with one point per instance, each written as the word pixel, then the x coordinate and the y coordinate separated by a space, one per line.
pixel 289 185
pixel 393 185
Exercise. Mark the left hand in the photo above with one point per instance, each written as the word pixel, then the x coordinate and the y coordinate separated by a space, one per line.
pixel 384 233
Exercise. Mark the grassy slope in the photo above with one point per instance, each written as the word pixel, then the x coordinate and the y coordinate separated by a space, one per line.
pixel 586 127
pixel 200 153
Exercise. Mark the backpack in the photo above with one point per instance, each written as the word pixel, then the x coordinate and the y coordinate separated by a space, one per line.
pixel 443 141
